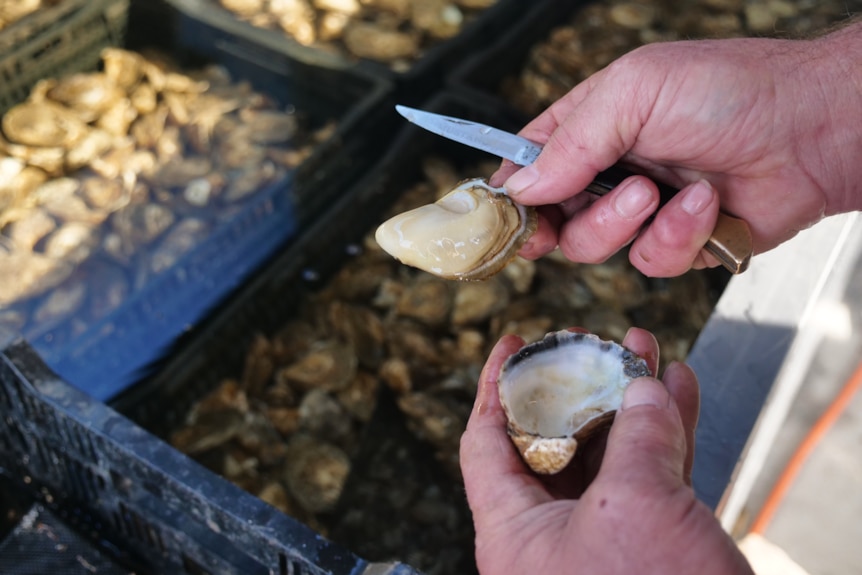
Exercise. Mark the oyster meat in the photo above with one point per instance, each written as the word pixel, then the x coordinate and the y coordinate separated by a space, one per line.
pixel 558 391
pixel 471 233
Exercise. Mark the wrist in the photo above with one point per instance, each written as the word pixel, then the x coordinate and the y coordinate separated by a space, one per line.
pixel 830 145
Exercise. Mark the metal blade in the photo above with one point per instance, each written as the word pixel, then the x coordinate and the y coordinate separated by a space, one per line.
pixel 486 138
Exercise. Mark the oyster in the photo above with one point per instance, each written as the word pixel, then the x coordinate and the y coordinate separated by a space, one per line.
pixel 375 42
pixel 26 227
pixel 471 233
pixel 559 390
pixel 43 124
pixel 315 472
pixel 28 274
pixel 125 68
pixel 14 11
pixel 440 19
pixel 89 95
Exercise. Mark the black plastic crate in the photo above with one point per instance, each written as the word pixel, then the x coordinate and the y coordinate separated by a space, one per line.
pixel 64 38
pixel 134 498
pixel 114 351
pixel 42 543
pixel 209 27
pixel 14 504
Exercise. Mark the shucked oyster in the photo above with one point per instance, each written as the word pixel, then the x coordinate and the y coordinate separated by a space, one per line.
pixel 559 390
pixel 469 234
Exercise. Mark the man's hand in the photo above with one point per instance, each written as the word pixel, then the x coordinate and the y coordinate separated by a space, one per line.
pixel 773 139
pixel 638 514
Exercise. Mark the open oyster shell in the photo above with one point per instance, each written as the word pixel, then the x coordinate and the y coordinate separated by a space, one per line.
pixel 557 391
pixel 471 233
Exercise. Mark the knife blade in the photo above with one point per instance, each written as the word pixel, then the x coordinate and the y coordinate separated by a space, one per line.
pixel 730 242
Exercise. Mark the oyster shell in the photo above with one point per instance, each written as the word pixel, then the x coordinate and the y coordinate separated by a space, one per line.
pixel 43 124
pixel 471 233
pixel 376 42
pixel 125 68
pixel 559 390
pixel 315 472
pixel 89 95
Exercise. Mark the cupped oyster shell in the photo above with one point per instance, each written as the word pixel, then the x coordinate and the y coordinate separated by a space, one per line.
pixel 471 233
pixel 559 390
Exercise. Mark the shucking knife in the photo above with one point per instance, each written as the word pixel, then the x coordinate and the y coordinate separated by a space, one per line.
pixel 730 241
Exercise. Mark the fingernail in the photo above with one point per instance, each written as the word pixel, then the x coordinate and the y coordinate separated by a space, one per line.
pixel 632 200
pixel 521 180
pixel 697 197
pixel 646 391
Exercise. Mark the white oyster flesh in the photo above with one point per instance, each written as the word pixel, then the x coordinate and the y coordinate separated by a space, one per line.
pixel 559 390
pixel 470 233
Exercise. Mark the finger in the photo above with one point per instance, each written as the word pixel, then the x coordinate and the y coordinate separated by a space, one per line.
pixel 506 169
pixel 571 482
pixel 672 242
pixel 705 260
pixel 644 344
pixel 498 484
pixel 577 203
pixel 582 135
pixel 540 128
pixel 575 479
pixel 487 411
pixel 681 382
pixel 544 239
pixel 646 446
pixel 601 229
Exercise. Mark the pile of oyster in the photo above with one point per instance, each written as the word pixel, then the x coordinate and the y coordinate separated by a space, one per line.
pixel 396 32
pixel 298 427
pixel 108 178
pixel 601 32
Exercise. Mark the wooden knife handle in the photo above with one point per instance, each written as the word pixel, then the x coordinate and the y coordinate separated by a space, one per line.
pixel 730 241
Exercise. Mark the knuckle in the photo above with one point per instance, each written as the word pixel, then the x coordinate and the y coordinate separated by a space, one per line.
pixel 658 263
pixel 587 252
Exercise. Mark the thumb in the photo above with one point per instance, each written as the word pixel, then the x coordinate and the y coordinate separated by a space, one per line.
pixel 585 132
pixel 647 443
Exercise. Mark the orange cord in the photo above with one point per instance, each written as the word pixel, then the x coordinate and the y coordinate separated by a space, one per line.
pixel 794 466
